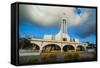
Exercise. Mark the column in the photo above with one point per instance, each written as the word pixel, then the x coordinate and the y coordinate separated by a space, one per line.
pixel 75 47
pixel 61 48
pixel 40 49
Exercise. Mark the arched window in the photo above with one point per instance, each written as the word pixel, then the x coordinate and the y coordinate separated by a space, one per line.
pixel 80 48
pixel 68 48
pixel 35 47
pixel 51 48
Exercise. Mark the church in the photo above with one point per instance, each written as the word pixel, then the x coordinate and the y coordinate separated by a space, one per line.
pixel 61 42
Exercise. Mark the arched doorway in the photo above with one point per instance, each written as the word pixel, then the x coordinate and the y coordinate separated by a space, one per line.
pixel 67 48
pixel 51 48
pixel 80 48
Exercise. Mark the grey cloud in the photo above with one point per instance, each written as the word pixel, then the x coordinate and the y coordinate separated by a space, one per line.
pixel 87 27
pixel 84 24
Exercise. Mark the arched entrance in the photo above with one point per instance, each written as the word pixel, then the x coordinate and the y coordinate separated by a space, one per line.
pixel 67 48
pixel 35 46
pixel 51 48
pixel 80 48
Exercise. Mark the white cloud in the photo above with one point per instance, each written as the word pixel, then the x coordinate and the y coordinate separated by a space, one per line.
pixel 48 15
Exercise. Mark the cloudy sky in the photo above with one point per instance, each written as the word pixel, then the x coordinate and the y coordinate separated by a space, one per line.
pixel 39 20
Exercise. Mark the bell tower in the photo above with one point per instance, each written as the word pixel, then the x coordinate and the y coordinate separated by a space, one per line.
pixel 64 23
pixel 63 35
pixel 64 27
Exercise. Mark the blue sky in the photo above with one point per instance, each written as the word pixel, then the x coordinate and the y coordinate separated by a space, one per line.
pixel 35 21
pixel 33 30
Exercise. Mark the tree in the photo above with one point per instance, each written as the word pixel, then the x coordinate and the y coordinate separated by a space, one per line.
pixel 24 43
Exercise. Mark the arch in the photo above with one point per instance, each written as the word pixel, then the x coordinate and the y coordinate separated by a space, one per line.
pixel 67 48
pixel 80 48
pixel 51 48
pixel 35 46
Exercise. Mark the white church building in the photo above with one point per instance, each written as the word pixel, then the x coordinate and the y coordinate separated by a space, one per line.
pixel 61 42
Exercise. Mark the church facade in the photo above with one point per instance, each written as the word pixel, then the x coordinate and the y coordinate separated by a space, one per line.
pixel 61 42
